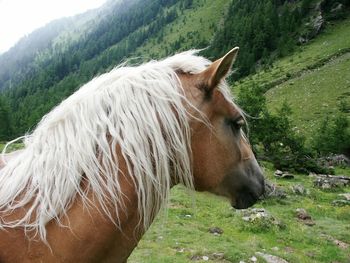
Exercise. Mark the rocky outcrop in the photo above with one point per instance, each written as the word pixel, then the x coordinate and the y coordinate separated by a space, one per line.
pixel 343 200
pixel 334 160
pixel 316 25
pixel 331 181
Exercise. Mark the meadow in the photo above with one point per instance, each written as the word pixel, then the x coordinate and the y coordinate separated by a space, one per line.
pixel 201 227
pixel 315 95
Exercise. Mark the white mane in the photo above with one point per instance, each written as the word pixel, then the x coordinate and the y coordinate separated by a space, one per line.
pixel 139 109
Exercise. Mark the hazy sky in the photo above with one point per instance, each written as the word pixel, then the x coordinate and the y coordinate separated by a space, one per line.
pixel 21 17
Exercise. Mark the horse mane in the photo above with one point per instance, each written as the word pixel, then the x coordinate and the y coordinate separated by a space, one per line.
pixel 138 109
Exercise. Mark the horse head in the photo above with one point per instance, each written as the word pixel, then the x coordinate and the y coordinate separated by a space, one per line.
pixel 223 161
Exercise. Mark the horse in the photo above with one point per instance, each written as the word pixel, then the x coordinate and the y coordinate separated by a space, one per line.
pixel 98 168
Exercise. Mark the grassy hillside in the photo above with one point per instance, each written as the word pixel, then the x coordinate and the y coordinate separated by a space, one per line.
pixel 192 29
pixel 334 41
pixel 184 235
pixel 315 94
pixel 313 81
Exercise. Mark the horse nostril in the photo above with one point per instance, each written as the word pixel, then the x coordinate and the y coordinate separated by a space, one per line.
pixel 258 183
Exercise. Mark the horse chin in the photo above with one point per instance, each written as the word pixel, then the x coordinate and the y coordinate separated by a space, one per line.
pixel 244 201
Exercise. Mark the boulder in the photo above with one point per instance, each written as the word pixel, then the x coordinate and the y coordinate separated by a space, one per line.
pixel 215 231
pixel 217 256
pixel 302 214
pixel 250 215
pixel 273 191
pixel 259 216
pixel 344 199
pixel 317 25
pixel 278 173
pixel 345 196
pixel 334 160
pixel 271 258
pixel 253 259
pixel 338 8
pixel 304 217
pixel 337 242
pixel 302 40
pixel 341 202
pixel 299 189
pixel 331 181
pixel 285 175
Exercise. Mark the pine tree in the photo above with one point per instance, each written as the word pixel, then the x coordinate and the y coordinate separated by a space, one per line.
pixel 5 126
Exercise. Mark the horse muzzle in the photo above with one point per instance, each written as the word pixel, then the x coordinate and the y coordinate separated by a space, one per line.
pixel 245 200
pixel 249 193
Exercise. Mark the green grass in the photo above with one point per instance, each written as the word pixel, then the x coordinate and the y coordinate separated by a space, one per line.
pixel 12 147
pixel 184 234
pixel 315 94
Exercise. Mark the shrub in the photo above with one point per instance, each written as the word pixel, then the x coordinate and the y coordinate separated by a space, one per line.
pixel 333 135
pixel 272 135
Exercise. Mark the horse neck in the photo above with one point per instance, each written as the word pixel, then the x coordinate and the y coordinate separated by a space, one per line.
pixel 93 229
pixel 107 241
pixel 88 231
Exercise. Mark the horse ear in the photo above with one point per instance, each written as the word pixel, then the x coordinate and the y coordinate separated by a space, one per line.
pixel 219 69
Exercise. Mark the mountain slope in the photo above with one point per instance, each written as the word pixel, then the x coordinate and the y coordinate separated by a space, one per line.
pixel 334 41
pixel 36 49
pixel 93 43
pixel 316 94
pixel 314 81
pixel 117 34
pixel 194 28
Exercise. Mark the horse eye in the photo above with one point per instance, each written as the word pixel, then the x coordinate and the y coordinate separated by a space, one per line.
pixel 236 125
